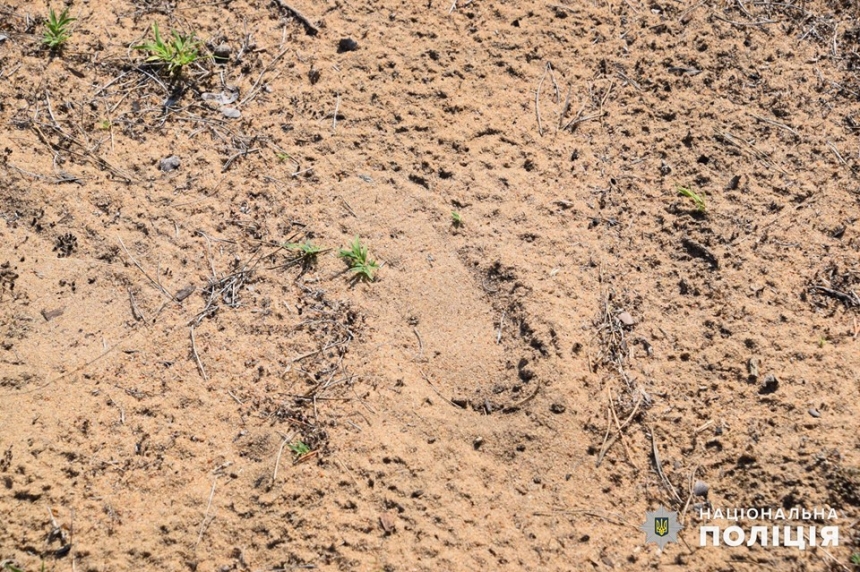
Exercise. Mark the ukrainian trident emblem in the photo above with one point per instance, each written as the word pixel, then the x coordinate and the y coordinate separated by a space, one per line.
pixel 661 526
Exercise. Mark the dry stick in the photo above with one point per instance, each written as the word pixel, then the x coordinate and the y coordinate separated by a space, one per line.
pixel 579 119
pixel 278 459
pixel 833 148
pixel 537 101
pixel 521 402
pixel 420 343
pixel 433 387
pixel 775 124
pixel 745 24
pixel 85 153
pixel 620 431
pixel 235 156
pixel 299 16
pixel 499 332
pixel 206 514
pixel 135 311
pixel 139 267
pixel 690 496
pixel 607 442
pixel 605 97
pixel 608 518
pixel 552 77
pixel 633 413
pixel 51 111
pixel 564 109
pixel 349 208
pixel 336 107
pixel 197 357
pixel 43 177
pixel 658 466
pixel 108 84
pixel 254 87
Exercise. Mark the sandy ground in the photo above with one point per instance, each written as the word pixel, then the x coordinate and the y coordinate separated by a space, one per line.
pixel 179 391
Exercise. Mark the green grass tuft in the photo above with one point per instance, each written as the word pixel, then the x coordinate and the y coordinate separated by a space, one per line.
pixel 358 258
pixel 176 53
pixel 300 449
pixel 57 29
pixel 695 197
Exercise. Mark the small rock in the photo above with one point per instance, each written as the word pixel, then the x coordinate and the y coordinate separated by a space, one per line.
pixel 3 37
pixel 733 183
pixel 478 442
pixel 169 164
pixel 221 54
pixel 814 412
pixel 184 293
pixel 51 314
pixel 626 319
pixel 347 45
pixel 388 522
pixel 700 489
pixel 752 368
pixel 770 385
pixel 231 112
pixel 557 408
pixel 226 97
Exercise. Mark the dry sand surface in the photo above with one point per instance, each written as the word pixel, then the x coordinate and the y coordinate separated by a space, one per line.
pixel 180 389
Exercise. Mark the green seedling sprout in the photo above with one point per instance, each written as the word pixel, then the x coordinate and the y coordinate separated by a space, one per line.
pixel 57 29
pixel 359 261
pixel 695 197
pixel 178 52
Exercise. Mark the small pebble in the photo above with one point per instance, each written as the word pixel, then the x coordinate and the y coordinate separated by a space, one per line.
pixel 478 442
pixel 222 54
pixel 626 319
pixel 814 412
pixel 752 368
pixel 770 385
pixel 169 163
pixel 347 45
pixel 231 112
pixel 700 489
pixel 557 408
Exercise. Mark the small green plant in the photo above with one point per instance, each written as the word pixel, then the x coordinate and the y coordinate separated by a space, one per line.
pixel 105 125
pixel 282 156
pixel 359 261
pixel 300 449
pixel 177 53
pixel 306 253
pixel 57 29
pixel 855 559
pixel 305 249
pixel 456 219
pixel 695 197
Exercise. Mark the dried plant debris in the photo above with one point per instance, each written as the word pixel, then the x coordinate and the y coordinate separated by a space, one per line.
pixel 66 244
pixel 8 276
pixel 833 283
